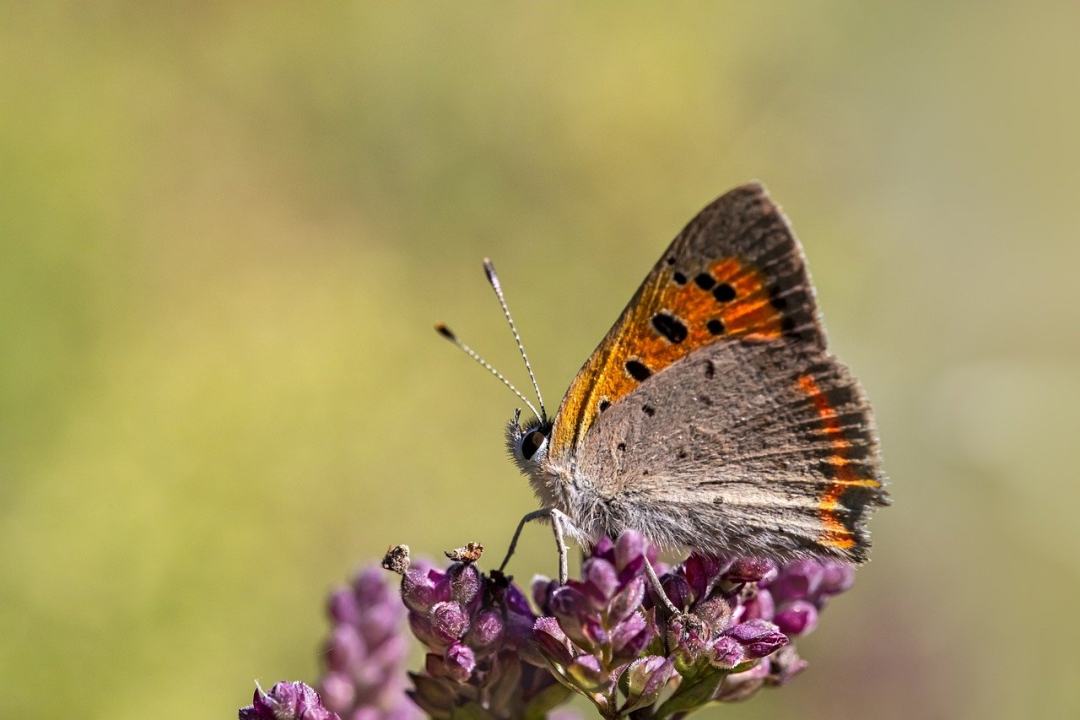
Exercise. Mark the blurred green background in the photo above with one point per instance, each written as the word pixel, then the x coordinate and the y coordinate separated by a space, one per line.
pixel 228 228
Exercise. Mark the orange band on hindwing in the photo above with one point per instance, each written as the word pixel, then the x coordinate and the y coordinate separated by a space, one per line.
pixel 845 474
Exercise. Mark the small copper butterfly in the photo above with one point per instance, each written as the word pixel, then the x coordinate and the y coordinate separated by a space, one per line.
pixel 712 415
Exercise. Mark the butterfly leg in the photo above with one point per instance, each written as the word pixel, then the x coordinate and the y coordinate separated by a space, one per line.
pixel 658 590
pixel 691 623
pixel 557 527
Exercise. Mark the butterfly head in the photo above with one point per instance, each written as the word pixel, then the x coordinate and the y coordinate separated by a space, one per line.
pixel 528 443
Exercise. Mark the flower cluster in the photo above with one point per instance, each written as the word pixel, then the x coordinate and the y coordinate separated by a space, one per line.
pixel 605 636
pixel 598 630
pixel 493 655
pixel 364 657
pixel 286 701
pixel 477 631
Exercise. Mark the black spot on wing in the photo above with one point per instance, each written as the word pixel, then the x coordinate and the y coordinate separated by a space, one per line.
pixel 670 327
pixel 715 327
pixel 637 370
pixel 705 281
pixel 775 298
pixel 648 410
pixel 724 292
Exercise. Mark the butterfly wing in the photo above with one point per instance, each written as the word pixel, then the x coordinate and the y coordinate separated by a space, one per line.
pixel 761 448
pixel 735 272
pixel 712 414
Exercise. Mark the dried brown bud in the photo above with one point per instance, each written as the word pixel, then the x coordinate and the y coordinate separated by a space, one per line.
pixel 468 554
pixel 397 559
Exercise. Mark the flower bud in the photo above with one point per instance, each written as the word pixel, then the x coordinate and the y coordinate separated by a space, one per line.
pixel 344 649
pixel 370 588
pixel 342 606
pixel 628 600
pixel 586 673
pixel 460 661
pixel 678 591
pixel 421 627
pixel 487 629
pixel 287 701
pixel 797 581
pixel 449 620
pixel 421 588
pixel 837 577
pixel 604 548
pixel 750 570
pixel 568 601
pixel 337 691
pixel 796 618
pixel 645 680
pixel 465 585
pixel 703 571
pixel 628 549
pixel 380 622
pixel 630 637
pixel 760 606
pixel 758 638
pixel 600 580
pixel 552 641
pixel 740 686
pixel 726 652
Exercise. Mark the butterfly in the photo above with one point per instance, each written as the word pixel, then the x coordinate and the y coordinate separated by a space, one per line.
pixel 712 415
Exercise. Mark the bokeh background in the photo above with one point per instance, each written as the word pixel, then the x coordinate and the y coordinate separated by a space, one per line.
pixel 227 229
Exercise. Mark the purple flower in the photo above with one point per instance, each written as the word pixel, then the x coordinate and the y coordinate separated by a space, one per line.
pixel 286 701
pixel 742 616
pixel 646 678
pixel 478 633
pixel 758 638
pixel 801 590
pixel 364 656
pixel 797 617
pixel 596 630
pixel 604 636
pixel 493 654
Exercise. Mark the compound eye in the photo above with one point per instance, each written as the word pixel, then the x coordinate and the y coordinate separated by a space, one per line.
pixel 531 443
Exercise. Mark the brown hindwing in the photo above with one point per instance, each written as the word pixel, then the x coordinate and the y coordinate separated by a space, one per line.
pixel 759 448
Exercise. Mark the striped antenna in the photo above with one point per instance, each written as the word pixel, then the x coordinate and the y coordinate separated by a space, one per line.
pixel 449 335
pixel 493 279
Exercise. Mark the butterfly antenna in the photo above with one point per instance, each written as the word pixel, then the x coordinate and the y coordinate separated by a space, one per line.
pixel 489 270
pixel 449 335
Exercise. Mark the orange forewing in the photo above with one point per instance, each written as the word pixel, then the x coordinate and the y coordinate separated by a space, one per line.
pixel 604 379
